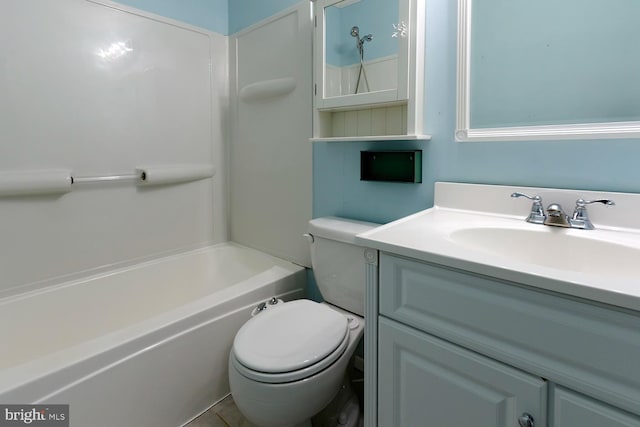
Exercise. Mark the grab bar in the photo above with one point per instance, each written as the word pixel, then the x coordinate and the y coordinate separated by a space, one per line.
pixel 104 178
pixel 60 181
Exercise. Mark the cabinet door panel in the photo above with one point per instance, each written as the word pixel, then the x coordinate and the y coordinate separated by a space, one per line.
pixel 424 381
pixel 570 409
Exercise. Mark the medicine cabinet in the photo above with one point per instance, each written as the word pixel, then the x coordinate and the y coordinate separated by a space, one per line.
pixel 368 70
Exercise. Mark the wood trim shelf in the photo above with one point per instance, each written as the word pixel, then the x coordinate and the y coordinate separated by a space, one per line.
pixel 373 138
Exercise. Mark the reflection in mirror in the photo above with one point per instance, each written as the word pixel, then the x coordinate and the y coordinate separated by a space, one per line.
pixel 525 73
pixel 548 69
pixel 361 47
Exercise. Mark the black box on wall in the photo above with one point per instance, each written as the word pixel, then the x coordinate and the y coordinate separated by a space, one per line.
pixel 391 166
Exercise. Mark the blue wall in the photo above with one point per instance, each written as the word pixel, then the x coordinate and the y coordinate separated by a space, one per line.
pixel 244 13
pixel 209 14
pixel 607 165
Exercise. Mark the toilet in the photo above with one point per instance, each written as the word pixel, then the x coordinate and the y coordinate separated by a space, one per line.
pixel 288 361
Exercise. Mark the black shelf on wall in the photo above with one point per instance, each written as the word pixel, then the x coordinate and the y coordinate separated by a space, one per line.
pixel 391 166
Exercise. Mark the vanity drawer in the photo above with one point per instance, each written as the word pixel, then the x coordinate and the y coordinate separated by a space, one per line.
pixel 590 348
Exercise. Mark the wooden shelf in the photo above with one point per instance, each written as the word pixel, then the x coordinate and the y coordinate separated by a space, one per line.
pixel 373 138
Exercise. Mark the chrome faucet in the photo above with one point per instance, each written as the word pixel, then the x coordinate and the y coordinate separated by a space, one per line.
pixel 556 217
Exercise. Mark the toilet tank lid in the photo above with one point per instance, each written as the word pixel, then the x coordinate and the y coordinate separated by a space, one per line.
pixel 340 229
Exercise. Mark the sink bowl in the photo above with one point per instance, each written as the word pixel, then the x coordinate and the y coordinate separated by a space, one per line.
pixel 558 248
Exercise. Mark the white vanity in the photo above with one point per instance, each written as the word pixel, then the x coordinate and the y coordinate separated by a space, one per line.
pixel 476 317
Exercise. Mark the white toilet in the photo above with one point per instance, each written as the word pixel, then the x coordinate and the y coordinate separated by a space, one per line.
pixel 288 362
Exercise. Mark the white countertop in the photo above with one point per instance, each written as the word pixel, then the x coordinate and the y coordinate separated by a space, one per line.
pixel 605 268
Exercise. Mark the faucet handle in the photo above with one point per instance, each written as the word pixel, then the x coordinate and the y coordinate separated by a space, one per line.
pixel 537 215
pixel 535 198
pixel 582 202
pixel 580 217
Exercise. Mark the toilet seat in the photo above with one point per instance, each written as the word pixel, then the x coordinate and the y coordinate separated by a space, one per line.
pixel 290 342
pixel 287 377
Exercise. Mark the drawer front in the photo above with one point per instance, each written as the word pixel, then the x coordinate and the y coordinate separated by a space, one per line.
pixel 569 409
pixel 425 381
pixel 588 348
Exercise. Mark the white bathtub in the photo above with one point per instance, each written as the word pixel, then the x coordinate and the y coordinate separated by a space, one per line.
pixel 142 346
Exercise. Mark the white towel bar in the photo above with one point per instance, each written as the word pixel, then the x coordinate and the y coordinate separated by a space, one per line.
pixel 57 181
pixel 105 178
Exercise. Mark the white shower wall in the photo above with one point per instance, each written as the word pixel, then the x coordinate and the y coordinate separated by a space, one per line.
pixel 99 88
pixel 270 153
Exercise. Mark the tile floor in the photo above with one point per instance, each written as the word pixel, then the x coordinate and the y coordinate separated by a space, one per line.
pixel 224 414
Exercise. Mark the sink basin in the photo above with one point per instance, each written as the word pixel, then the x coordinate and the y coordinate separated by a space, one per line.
pixel 562 249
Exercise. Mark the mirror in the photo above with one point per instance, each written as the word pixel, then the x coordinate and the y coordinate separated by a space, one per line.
pixel 361 51
pixel 548 69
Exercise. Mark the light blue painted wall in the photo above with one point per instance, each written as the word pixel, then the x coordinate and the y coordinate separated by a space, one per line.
pixel 341 46
pixel 244 13
pixel 209 14
pixel 607 165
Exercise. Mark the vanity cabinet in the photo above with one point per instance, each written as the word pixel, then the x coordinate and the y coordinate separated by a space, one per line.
pixel 457 348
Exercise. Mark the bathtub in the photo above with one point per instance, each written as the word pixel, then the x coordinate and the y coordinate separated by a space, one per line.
pixel 145 345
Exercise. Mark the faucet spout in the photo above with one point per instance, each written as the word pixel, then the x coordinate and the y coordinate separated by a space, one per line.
pixel 556 216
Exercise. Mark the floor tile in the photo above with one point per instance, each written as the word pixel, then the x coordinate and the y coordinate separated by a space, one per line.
pixel 208 419
pixel 229 412
pixel 223 414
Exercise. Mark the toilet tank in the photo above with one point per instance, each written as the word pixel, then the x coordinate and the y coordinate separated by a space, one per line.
pixel 338 263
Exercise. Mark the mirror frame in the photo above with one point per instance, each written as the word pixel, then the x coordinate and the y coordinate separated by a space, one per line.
pixel 406 62
pixel 464 132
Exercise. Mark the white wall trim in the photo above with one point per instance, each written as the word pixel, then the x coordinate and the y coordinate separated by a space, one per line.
pixel 464 132
pixel 613 130
pixel 371 339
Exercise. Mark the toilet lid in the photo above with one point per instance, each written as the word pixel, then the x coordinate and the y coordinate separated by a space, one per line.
pixel 290 337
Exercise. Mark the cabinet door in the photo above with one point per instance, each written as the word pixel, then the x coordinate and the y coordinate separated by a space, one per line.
pixel 569 409
pixel 426 382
